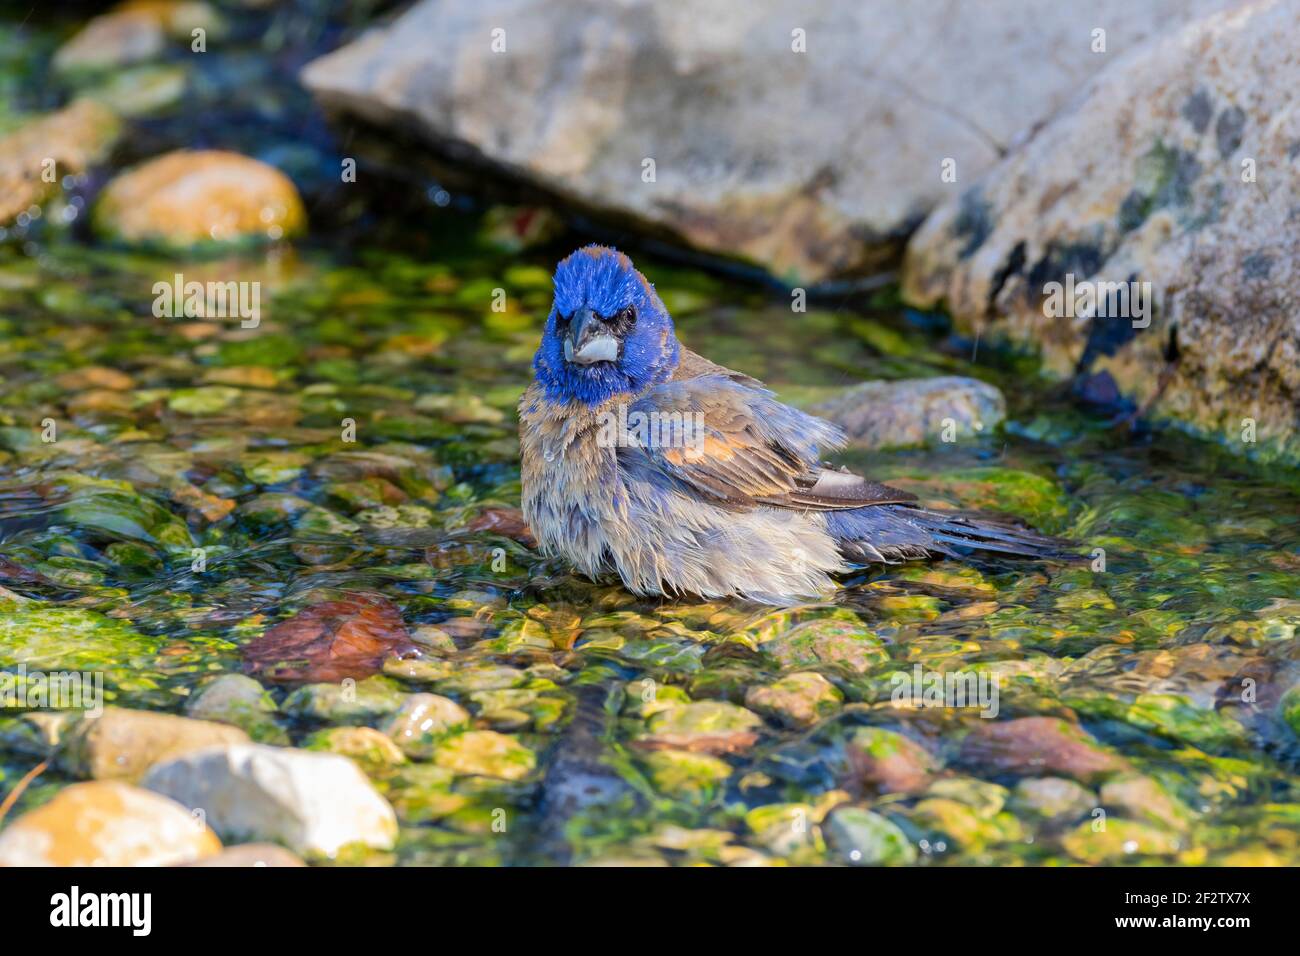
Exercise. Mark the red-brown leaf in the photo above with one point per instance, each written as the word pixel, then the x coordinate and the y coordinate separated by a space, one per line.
pixel 330 641
pixel 507 522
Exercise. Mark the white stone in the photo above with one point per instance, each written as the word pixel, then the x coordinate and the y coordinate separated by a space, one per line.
pixel 313 803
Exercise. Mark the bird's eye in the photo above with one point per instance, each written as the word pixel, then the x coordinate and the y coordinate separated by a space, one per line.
pixel 561 320
pixel 624 319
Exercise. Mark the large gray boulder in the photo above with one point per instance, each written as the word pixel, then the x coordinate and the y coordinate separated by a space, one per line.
pixel 1177 166
pixel 812 164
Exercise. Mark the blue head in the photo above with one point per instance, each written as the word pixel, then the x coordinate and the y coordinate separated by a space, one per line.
pixel 608 334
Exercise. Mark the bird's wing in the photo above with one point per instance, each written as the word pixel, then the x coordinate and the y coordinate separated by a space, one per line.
pixel 734 443
pixel 693 365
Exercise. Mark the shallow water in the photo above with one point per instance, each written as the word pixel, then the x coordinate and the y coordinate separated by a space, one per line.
pixel 232 441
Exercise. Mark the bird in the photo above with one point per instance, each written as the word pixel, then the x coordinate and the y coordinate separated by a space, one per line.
pixel 685 478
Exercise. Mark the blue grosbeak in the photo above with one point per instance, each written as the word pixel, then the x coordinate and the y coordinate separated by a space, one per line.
pixel 642 457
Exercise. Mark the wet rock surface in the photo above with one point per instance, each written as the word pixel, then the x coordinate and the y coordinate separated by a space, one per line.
pixel 1033 746
pixel 39 153
pixel 879 415
pixel 194 197
pixel 126 743
pixel 106 823
pixel 1190 194
pixel 642 94
pixel 252 854
pixel 132 32
pixel 314 803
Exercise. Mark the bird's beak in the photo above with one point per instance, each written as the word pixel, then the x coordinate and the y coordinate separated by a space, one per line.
pixel 588 342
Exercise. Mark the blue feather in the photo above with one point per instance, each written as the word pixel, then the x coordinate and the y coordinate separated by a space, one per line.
pixel 604 280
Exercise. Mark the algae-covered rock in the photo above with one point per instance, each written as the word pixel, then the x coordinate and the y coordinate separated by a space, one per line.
pixel 422 720
pixel 240 701
pixel 985 798
pixel 789 829
pixel 194 198
pixel 1289 707
pixel 106 823
pixel 485 753
pixel 314 803
pixel 115 510
pixel 518 708
pixel 949 821
pixel 422 793
pixel 1119 840
pixel 862 838
pixel 347 702
pixel 208 400
pixel 889 761
pixel 142 90
pixel 707 726
pixel 267 467
pixel 1054 799
pixel 53 638
pixel 686 775
pixel 646 697
pixel 401 516
pixel 272 509
pixel 417 670
pixel 796 700
pixel 1143 798
pixel 1035 498
pixel 317 521
pixel 1174 715
pixel 372 750
pixel 487 677
pixel 830 642
pixel 694 842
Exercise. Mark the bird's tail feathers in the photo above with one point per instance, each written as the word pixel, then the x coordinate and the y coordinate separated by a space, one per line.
pixel 889 534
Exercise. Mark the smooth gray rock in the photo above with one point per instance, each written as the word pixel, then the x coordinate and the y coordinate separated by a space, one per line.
pixel 915 411
pixel 313 803
pixel 807 137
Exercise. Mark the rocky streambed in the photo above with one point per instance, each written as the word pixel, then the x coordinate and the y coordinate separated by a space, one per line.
pixel 287 548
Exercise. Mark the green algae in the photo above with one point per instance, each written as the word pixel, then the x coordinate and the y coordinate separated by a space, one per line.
pixel 49 638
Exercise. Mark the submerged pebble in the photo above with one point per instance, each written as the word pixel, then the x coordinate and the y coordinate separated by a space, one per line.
pixel 106 823
pixel 208 197
pixel 314 803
